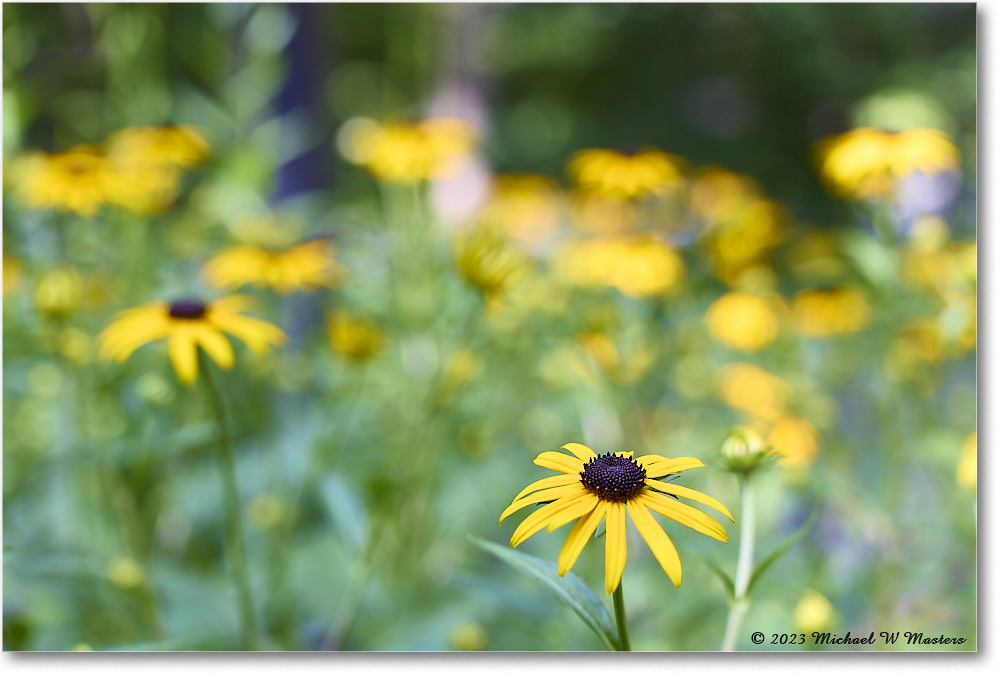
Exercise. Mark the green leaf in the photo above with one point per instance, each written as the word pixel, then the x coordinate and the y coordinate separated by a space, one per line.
pixel 346 509
pixel 727 583
pixel 782 548
pixel 570 589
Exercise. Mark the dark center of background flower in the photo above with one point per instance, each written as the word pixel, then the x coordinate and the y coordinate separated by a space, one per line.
pixel 187 309
pixel 612 477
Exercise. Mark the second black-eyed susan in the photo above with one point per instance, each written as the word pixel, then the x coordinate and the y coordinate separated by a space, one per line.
pixel 187 325
pixel 308 266
pixel 590 487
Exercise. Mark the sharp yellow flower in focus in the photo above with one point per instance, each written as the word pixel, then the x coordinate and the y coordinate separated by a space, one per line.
pixel 407 153
pixel 742 321
pixel 867 163
pixel 591 487
pixel 820 312
pixel 640 266
pixel 357 339
pixel 308 266
pixel 188 325
pixel 612 173
pixel 75 180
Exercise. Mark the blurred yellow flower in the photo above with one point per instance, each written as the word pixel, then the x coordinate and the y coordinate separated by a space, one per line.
pixel 75 180
pixel 182 146
pixel 715 193
pixel 752 389
pixel 609 172
pixel 866 162
pixel 592 487
pixel 918 340
pixel 187 325
pixel 407 153
pixel 601 214
pixel 525 207
pixel 623 367
pixel 742 236
pixel 468 637
pixel 59 291
pixel 12 273
pixel 267 510
pixel 640 266
pixel 308 266
pixel 489 263
pixel 125 572
pixel 794 440
pixel 813 613
pixel 356 339
pixel 820 312
pixel 742 321
pixel 462 368
pixel 966 472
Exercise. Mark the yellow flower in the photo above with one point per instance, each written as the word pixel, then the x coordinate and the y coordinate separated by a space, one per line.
pixel 468 637
pixel 640 266
pixel 75 180
pixel 489 262
pixel 12 273
pixel 822 312
pixel 308 266
pixel 867 163
pixel 125 572
pixel 742 236
pixel 188 325
pixel 524 206
pixel 966 472
pixel 407 153
pixel 746 387
pixel 590 487
pixel 623 368
pixel 356 339
pixel 601 214
pixel 813 613
pixel 715 193
pixel 794 440
pixel 609 172
pixel 178 145
pixel 742 321
pixel 59 292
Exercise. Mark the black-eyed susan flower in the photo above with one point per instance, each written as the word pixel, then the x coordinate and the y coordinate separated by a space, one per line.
pixel 489 262
pixel 188 325
pixel 526 207
pixel 742 321
pixel 357 339
pixel 182 146
pixel 609 172
pixel 394 152
pixel 823 312
pixel 75 180
pixel 592 487
pixel 867 163
pixel 640 266
pixel 308 266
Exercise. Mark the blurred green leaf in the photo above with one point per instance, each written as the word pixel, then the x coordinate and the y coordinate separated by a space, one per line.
pixel 346 510
pixel 570 589
pixel 727 583
pixel 782 549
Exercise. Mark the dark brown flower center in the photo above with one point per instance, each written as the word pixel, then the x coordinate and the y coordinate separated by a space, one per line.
pixel 612 477
pixel 187 309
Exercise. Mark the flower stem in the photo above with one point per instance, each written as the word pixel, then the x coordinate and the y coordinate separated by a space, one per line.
pixel 623 643
pixel 235 547
pixel 744 566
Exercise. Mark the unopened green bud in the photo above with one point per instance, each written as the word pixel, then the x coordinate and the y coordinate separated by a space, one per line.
pixel 743 450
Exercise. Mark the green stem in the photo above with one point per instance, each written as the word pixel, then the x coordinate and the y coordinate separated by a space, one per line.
pixel 623 643
pixel 235 546
pixel 744 567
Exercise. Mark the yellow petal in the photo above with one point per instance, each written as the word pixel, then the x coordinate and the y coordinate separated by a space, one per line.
pixel 688 493
pixel 583 508
pixel 659 469
pixel 557 461
pixel 540 518
pixel 658 541
pixel 582 452
pixel 258 335
pixel 579 536
pixel 614 551
pixel 549 495
pixel 184 354
pixel 215 344
pixel 550 482
pixel 683 514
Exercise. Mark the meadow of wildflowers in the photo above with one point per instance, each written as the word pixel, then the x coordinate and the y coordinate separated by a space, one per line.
pixel 489 327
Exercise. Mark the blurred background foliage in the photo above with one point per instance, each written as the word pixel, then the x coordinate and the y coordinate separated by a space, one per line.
pixel 412 396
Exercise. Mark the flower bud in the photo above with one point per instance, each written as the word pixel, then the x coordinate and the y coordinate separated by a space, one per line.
pixel 743 450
